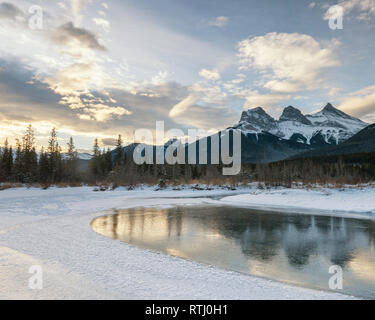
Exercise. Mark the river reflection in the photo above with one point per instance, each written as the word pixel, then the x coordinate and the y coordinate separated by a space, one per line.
pixel 293 248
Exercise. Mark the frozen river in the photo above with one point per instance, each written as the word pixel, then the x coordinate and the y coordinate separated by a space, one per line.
pixel 293 248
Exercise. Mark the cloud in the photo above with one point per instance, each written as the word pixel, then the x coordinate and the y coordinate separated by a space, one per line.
pixel 108 142
pixel 26 99
pixel 333 92
pixel 219 22
pixel 70 36
pixel 10 11
pixel 80 90
pixel 102 113
pixel 213 114
pixel 183 106
pixel 360 103
pixel 75 79
pixel 255 99
pixel 312 5
pixel 75 85
pixel 160 78
pixel 364 9
pixel 77 7
pixel 102 23
pixel 288 62
pixel 206 106
pixel 210 74
pixel 211 118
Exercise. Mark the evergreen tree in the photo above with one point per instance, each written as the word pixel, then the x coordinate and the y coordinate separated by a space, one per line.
pixel 18 162
pixel 29 161
pixel 108 161
pixel 95 161
pixel 54 158
pixel 6 161
pixel 118 152
pixel 72 161
pixel 44 173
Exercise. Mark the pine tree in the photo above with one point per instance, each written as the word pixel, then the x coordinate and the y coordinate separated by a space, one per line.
pixel 6 161
pixel 118 152
pixel 108 161
pixel 44 173
pixel 72 161
pixel 54 158
pixel 18 162
pixel 95 161
pixel 29 162
pixel 59 165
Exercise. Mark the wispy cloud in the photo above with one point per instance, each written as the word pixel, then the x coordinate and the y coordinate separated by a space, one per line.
pixel 105 24
pixel 70 36
pixel 360 103
pixel 363 10
pixel 77 7
pixel 219 22
pixel 10 11
pixel 210 74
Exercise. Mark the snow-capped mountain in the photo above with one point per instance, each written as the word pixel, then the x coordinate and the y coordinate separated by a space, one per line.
pixel 328 126
pixel 84 156
pixel 80 155
pixel 361 142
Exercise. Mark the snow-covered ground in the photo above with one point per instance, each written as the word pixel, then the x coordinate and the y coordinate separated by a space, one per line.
pixel 348 202
pixel 51 228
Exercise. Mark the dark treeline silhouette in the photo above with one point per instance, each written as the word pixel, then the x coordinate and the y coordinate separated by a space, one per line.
pixel 337 170
pixel 341 169
pixel 24 165
pixel 116 167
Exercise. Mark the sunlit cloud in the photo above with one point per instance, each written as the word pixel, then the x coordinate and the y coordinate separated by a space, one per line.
pixel 210 74
pixel 183 106
pixel 360 103
pixel 98 69
pixel 255 99
pixel 77 7
pixel 105 24
pixel 287 62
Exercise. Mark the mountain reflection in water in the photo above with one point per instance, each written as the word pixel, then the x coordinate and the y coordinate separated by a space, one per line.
pixel 293 248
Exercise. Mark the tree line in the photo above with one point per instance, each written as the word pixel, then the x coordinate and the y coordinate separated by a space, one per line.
pixel 24 165
pixel 116 167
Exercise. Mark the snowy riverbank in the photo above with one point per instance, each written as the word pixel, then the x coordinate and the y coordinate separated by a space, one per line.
pixel 51 228
pixel 348 202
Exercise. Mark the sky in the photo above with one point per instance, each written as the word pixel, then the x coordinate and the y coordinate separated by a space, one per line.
pixel 96 69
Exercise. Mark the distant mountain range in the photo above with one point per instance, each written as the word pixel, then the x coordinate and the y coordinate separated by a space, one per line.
pixel 362 142
pixel 265 139
pixel 80 156
pixel 326 127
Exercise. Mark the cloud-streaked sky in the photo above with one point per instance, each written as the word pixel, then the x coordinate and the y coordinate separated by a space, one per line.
pixel 97 69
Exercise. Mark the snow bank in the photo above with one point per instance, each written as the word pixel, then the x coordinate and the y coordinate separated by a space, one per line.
pixel 355 202
pixel 51 228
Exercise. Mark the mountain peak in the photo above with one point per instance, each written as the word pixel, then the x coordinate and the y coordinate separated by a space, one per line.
pixel 258 110
pixel 329 109
pixel 254 114
pixel 293 114
pixel 258 118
